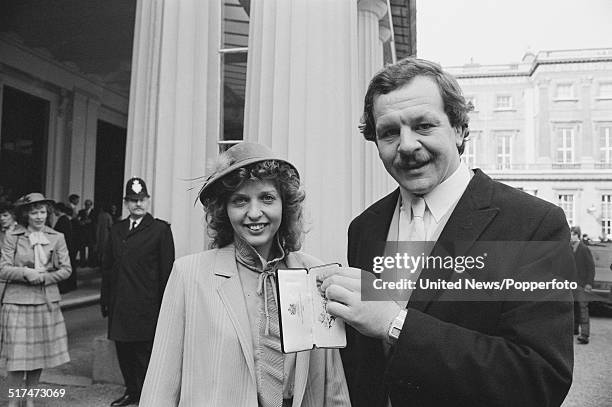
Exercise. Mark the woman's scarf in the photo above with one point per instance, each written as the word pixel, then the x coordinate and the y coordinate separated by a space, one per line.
pixel 250 258
pixel 37 241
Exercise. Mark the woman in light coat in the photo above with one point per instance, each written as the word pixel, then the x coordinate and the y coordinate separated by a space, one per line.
pixel 34 259
pixel 217 339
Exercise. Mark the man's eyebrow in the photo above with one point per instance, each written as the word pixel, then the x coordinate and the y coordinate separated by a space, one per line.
pixel 382 123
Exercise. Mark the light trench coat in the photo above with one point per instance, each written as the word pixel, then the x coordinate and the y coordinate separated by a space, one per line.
pixel 203 351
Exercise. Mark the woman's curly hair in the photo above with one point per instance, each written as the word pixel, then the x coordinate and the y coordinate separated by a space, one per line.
pixel 22 212
pixel 286 181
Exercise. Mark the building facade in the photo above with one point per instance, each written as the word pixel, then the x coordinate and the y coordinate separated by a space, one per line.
pixel 544 125
pixel 158 88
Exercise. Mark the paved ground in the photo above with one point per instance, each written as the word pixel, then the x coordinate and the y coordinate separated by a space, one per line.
pixel 592 373
pixel 592 385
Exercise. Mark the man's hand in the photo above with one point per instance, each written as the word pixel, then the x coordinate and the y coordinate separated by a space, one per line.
pixel 342 287
pixel 588 288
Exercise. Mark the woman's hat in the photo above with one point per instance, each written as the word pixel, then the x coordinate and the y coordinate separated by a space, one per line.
pixel 34 197
pixel 238 156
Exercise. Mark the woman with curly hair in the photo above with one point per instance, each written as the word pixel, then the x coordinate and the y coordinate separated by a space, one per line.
pixel 34 259
pixel 217 341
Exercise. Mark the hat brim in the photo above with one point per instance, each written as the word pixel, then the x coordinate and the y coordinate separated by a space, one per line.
pixel 41 201
pixel 213 179
pixel 139 196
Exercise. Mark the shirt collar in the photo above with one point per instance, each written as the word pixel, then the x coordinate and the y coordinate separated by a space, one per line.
pixel 443 197
pixel 249 257
pixel 135 222
pixel 9 227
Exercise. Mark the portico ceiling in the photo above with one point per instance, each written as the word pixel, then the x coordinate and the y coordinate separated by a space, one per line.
pixel 94 35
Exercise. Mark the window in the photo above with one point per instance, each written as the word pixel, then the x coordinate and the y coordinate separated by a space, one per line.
pixel 503 102
pixel 606 214
pixel 504 151
pixel 605 144
pixel 565 91
pixel 469 154
pixel 605 90
pixel 565 145
pixel 233 53
pixel 566 202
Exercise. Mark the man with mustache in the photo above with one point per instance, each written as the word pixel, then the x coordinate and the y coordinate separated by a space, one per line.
pixel 136 266
pixel 434 349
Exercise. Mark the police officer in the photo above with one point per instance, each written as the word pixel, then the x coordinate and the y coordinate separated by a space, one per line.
pixel 136 265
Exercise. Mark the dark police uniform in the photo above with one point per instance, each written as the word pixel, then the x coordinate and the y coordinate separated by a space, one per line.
pixel 136 267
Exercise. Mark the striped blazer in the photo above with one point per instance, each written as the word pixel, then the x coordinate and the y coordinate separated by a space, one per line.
pixel 203 350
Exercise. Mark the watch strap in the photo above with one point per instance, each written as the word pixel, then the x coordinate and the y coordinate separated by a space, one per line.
pixel 396 326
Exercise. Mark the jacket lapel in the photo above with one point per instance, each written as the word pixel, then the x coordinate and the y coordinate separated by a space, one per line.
pixel 375 227
pixel 302 364
pixel 468 221
pixel 230 291
pixel 379 217
pixel 146 221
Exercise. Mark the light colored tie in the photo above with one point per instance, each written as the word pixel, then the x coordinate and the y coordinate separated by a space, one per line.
pixel 417 227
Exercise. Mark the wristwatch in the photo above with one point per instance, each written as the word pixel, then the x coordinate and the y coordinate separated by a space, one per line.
pixel 396 327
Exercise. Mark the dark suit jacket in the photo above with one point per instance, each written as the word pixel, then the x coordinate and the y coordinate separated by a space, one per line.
pixel 135 269
pixel 87 231
pixel 585 266
pixel 469 353
pixel 64 225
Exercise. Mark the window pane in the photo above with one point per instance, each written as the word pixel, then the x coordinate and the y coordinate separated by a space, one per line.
pixel 235 38
pixel 606 214
pixel 566 202
pixel 605 89
pixel 234 87
pixel 605 144
pixel 504 102
pixel 235 24
pixel 564 91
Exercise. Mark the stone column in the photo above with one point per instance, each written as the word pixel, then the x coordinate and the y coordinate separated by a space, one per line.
pixel 83 144
pixel 174 109
pixel 373 29
pixel 544 151
pixel 586 134
pixel 61 150
pixel 302 100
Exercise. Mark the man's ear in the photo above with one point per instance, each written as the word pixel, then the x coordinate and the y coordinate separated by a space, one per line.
pixel 461 133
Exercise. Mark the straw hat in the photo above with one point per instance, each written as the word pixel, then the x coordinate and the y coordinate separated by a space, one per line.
pixel 238 156
pixel 34 197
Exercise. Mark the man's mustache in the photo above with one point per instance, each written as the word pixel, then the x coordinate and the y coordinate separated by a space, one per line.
pixel 411 161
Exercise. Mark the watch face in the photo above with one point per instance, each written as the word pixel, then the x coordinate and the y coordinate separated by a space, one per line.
pixel 395 332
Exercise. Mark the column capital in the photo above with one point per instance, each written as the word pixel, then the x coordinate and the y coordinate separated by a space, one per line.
pixel 378 7
pixel 384 32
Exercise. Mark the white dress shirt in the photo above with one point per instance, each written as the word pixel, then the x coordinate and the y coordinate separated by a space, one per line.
pixel 440 201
